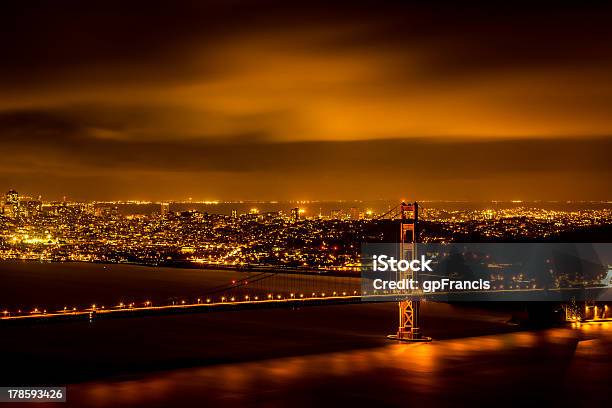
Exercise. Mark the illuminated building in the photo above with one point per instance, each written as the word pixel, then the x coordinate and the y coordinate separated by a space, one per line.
pixel 11 204
pixel 12 197
pixel 164 209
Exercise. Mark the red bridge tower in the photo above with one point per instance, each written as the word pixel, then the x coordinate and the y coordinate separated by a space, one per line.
pixel 409 329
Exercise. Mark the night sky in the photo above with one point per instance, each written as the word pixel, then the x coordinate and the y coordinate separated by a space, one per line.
pixel 306 100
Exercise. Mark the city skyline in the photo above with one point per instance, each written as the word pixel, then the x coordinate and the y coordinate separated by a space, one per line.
pixel 305 234
pixel 68 198
pixel 235 101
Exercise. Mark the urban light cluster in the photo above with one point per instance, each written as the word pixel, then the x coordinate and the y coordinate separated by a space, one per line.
pixel 294 238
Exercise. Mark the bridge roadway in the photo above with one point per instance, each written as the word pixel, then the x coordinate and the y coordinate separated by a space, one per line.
pixel 562 295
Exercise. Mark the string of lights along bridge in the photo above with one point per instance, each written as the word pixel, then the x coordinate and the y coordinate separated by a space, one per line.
pixel 259 289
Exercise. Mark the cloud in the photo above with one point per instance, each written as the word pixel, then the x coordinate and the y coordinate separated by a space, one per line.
pixel 71 150
pixel 268 95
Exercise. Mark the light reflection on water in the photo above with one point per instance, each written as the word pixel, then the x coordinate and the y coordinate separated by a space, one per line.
pixel 469 368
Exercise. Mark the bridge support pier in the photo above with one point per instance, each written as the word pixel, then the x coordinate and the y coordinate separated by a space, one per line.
pixel 409 330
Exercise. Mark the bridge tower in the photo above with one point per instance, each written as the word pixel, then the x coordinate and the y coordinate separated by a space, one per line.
pixel 409 329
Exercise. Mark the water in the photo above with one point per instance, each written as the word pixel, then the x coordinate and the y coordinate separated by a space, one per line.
pixel 334 355
pixel 27 285
pixel 548 367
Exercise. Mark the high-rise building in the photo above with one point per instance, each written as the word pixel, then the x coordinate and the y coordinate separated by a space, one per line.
pixel 30 208
pixel 12 197
pixel 164 209
pixel 11 204
pixel 234 213
pixel 354 213
pixel 295 214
